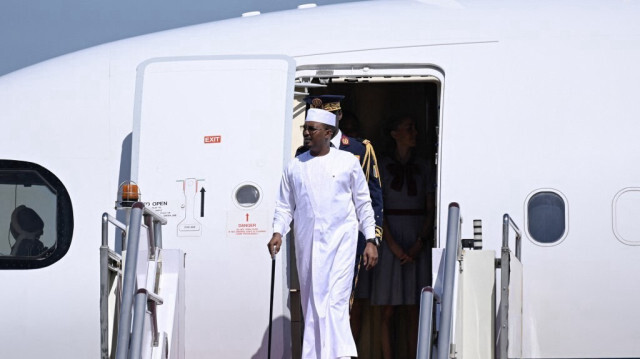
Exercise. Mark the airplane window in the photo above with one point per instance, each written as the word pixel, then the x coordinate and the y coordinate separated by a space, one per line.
pixel 247 195
pixel 36 219
pixel 546 220
pixel 626 211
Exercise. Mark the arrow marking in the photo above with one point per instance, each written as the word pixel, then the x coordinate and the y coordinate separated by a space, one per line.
pixel 202 191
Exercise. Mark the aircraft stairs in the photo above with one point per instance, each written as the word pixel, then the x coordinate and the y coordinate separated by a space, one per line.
pixel 458 316
pixel 142 290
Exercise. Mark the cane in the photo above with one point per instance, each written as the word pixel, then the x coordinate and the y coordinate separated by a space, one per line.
pixel 273 274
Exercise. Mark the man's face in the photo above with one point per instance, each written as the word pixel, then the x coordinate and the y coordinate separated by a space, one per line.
pixel 315 135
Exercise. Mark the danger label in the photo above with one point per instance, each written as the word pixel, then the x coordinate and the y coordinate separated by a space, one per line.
pixel 247 229
pixel 247 224
pixel 212 139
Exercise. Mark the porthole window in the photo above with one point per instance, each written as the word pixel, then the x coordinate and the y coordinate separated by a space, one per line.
pixel 626 212
pixel 247 195
pixel 36 218
pixel 546 214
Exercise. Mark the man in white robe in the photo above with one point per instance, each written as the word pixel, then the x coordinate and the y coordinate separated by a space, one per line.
pixel 326 194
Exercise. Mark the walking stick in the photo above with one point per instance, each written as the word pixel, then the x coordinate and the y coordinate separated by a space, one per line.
pixel 273 274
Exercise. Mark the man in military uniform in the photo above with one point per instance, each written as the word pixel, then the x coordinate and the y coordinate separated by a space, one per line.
pixel 363 150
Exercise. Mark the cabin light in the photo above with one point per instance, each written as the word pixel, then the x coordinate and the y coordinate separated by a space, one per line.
pixel 128 193
pixel 250 13
pixel 307 6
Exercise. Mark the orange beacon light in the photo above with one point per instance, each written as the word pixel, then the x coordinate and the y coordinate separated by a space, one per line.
pixel 128 193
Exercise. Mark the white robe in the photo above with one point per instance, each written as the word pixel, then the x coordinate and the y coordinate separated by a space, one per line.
pixel 328 199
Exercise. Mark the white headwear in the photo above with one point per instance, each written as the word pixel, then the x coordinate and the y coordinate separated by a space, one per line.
pixel 322 116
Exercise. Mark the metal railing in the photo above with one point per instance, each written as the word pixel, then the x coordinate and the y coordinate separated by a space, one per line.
pixel 505 270
pixel 144 299
pixel 110 271
pixel 133 241
pixel 427 317
pixel 428 299
pixel 154 222
pixel 451 256
pixel 129 333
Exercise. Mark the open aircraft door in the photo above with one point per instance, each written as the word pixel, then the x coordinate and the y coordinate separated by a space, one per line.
pixel 210 138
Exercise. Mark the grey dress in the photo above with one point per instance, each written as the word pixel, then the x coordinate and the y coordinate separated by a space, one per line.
pixel 404 188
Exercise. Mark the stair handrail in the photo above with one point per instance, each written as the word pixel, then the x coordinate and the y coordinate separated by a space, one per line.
pixel 428 299
pixel 128 347
pixel 451 256
pixel 505 270
pixel 133 240
pixel 154 223
pixel 109 261
pixel 508 222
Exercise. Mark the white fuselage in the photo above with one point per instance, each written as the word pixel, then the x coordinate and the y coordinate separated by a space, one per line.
pixel 532 97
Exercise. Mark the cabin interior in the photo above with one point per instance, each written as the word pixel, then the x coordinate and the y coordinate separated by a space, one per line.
pixel 372 102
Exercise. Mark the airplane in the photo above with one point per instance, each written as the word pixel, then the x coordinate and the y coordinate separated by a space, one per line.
pixel 153 164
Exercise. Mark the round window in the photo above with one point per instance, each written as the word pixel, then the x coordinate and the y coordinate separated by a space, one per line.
pixel 247 195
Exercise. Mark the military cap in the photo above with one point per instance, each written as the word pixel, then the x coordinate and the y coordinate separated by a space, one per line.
pixel 325 102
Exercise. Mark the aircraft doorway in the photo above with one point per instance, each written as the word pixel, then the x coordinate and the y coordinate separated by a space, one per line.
pixel 371 104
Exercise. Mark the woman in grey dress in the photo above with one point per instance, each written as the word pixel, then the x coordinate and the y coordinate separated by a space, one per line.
pixel 404 260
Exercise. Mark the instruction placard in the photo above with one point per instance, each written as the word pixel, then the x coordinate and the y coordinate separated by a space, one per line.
pixel 248 224
pixel 166 209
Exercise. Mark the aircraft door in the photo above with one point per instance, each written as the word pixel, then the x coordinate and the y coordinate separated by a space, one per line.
pixel 211 135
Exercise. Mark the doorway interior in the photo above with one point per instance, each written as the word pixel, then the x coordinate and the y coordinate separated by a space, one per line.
pixel 373 96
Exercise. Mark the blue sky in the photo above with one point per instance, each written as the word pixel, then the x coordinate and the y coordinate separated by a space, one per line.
pixel 32 31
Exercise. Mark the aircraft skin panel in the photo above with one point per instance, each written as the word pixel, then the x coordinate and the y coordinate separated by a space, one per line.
pixel 200 142
pixel 534 96
pixel 61 298
pixel 536 142
pixel 55 121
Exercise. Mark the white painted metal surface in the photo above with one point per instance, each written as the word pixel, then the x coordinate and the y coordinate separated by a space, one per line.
pixel 171 317
pixel 515 307
pixel 476 308
pixel 198 139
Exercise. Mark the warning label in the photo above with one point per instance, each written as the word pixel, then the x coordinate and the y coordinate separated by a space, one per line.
pixel 249 229
pixel 247 224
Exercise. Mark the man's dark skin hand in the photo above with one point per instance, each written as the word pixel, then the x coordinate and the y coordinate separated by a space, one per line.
pixel 370 256
pixel 274 244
